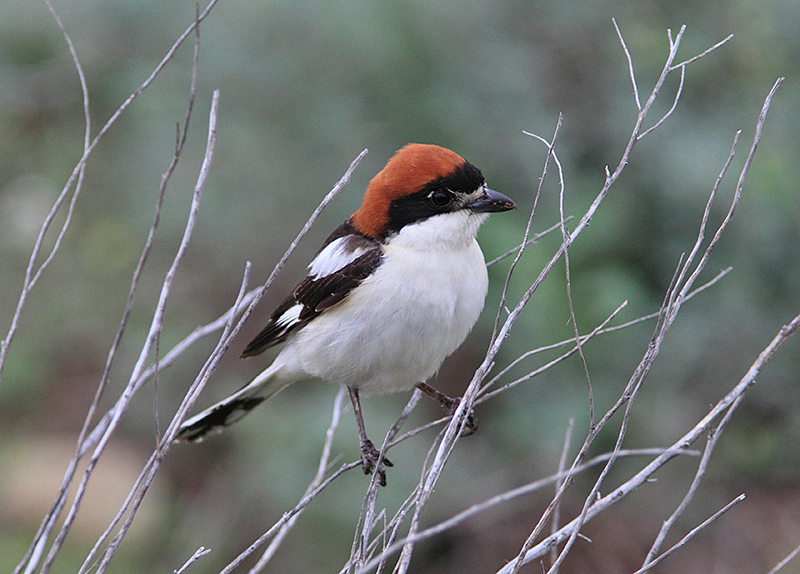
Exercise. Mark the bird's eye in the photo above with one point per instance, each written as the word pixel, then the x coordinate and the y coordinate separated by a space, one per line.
pixel 439 198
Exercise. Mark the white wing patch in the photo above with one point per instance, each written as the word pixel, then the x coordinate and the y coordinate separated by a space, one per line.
pixel 336 255
pixel 289 317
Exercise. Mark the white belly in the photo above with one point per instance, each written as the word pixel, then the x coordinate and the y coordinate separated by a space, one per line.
pixel 384 339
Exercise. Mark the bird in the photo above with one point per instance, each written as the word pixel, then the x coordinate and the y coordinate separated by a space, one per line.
pixel 392 292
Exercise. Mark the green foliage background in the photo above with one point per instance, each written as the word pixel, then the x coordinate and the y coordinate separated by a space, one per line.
pixel 304 87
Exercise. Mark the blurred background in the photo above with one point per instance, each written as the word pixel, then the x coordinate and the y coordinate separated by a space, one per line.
pixel 305 86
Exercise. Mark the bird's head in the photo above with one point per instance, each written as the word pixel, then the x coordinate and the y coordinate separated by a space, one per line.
pixel 420 182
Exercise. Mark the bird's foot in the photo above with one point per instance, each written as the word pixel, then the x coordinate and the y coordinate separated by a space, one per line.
pixel 371 458
pixel 449 406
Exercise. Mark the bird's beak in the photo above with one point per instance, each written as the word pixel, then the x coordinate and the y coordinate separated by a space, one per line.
pixel 490 202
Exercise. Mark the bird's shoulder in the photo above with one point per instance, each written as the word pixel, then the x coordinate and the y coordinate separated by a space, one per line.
pixel 346 258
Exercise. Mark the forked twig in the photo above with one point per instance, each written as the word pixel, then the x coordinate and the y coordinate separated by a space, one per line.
pixel 155 328
pixel 711 442
pixel 691 534
pixel 604 502
pixel 510 495
pixel 674 301
pixel 447 442
pixel 76 177
pixel 199 553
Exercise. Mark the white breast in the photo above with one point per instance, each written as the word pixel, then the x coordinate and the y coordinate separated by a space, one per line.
pixel 397 327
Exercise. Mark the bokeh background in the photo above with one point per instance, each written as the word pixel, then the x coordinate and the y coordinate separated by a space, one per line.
pixel 307 85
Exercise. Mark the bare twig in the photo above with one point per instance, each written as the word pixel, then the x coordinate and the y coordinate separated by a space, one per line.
pixel 562 464
pixel 681 66
pixel 713 438
pixel 674 301
pixel 322 468
pixel 76 177
pixel 34 551
pixel 779 566
pixel 86 141
pixel 199 553
pixel 31 273
pixel 664 118
pixel 682 542
pixel 155 328
pixel 599 330
pixel 570 304
pixel 585 338
pixel 536 237
pixel 179 143
pixel 703 53
pixel 510 495
pixel 33 555
pixel 525 238
pixel 630 65
pixel 723 405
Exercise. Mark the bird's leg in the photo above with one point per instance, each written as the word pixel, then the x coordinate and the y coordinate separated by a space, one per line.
pixel 449 406
pixel 370 456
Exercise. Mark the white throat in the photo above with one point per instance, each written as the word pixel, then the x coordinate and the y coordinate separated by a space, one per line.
pixel 456 230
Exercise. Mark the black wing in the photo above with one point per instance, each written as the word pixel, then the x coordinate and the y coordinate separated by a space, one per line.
pixel 315 294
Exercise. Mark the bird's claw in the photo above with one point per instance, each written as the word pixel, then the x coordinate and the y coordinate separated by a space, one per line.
pixel 371 458
pixel 449 406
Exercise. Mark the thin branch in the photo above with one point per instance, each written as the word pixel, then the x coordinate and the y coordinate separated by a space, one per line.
pixel 702 54
pixel 664 118
pixel 86 141
pixel 322 467
pixel 599 330
pixel 570 304
pixel 692 533
pixel 509 496
pixel 562 464
pixel 524 243
pixel 33 553
pixel 536 237
pixel 76 178
pixel 604 502
pixel 630 65
pixel 31 276
pixel 179 143
pixel 689 496
pixel 485 396
pixel 167 360
pixel 779 566
pixel 147 475
pixel 155 328
pixel 199 553
pixel 674 301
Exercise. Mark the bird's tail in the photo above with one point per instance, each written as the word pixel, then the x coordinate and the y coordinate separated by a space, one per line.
pixel 231 409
